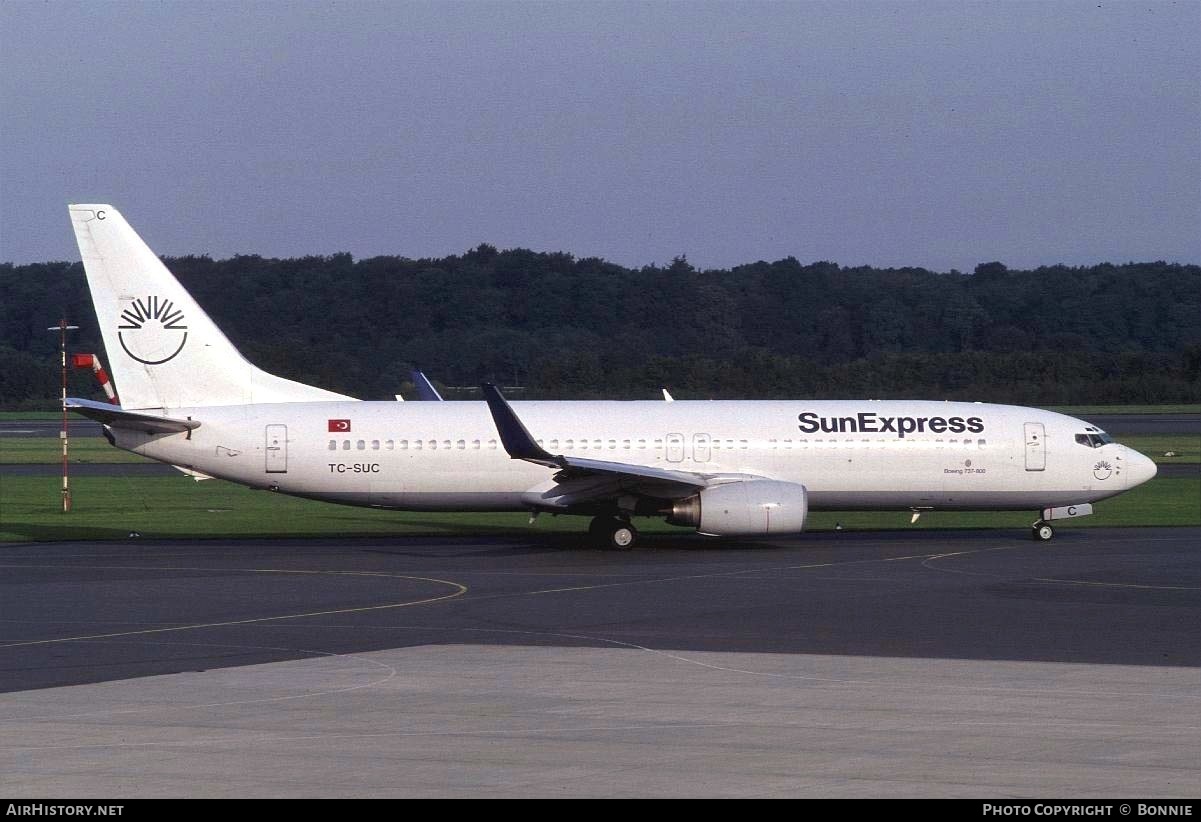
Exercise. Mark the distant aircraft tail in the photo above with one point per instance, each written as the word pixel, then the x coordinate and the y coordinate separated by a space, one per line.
pixel 164 350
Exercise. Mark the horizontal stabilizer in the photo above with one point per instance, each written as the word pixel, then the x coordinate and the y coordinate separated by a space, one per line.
pixel 132 420
pixel 196 475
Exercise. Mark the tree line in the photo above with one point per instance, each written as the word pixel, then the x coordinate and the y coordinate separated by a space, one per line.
pixel 549 325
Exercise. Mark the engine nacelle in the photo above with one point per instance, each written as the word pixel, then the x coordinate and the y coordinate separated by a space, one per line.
pixel 745 508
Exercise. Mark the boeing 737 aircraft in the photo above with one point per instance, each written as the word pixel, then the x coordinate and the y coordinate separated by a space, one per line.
pixel 737 468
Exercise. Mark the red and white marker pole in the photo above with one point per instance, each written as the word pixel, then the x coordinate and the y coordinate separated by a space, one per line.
pixel 62 328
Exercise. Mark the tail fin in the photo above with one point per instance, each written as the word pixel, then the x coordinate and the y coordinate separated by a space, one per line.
pixel 164 350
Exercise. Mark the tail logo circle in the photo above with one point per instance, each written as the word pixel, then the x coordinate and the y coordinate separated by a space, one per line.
pixel 151 330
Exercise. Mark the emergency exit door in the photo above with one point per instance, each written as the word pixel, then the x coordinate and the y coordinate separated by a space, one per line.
pixel 277 449
pixel 1036 447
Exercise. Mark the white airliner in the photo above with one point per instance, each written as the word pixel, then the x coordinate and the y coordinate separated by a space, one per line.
pixel 737 468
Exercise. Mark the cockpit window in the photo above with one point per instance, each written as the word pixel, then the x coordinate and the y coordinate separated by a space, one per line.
pixel 1094 440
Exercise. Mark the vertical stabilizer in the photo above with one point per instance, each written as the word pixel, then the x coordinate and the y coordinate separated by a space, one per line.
pixel 164 350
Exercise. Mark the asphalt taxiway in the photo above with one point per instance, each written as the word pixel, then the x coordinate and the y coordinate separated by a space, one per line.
pixel 24 429
pixel 936 664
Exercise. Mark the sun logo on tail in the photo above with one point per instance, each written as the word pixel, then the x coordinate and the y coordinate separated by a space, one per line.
pixel 151 330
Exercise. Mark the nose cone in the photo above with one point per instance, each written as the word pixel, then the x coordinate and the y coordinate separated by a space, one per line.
pixel 1139 468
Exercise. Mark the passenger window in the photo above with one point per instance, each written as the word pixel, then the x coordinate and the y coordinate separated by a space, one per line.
pixel 361 445
pixel 980 443
pixel 375 445
pixel 475 444
pixel 404 445
pixel 461 444
pixel 333 445
pixel 492 444
pixel 389 445
pixel 345 445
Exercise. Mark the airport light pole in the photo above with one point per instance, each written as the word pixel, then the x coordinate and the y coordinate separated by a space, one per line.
pixel 62 328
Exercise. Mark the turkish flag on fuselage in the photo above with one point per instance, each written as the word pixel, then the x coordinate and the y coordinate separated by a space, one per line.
pixel 339 426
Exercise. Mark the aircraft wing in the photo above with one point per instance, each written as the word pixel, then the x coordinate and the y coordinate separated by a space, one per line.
pixel 118 417
pixel 573 467
pixel 522 446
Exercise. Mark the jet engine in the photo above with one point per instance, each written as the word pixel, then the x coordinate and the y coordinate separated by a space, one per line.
pixel 744 508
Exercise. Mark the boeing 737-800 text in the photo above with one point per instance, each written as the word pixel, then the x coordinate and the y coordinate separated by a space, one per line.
pixel 736 468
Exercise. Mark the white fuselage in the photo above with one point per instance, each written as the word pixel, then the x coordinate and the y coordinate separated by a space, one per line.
pixel 848 454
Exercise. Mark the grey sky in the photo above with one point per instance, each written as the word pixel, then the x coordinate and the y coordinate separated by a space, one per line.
pixel 933 134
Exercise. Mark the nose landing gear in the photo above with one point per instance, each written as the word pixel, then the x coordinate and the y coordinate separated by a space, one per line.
pixel 1042 531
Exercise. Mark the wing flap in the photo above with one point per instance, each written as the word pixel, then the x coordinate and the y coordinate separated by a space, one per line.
pixel 579 466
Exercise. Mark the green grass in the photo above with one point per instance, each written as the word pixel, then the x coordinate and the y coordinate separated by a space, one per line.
pixel 48 451
pixel 1187 447
pixel 169 507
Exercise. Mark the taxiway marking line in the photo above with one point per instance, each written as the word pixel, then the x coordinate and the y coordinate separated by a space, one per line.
pixel 462 589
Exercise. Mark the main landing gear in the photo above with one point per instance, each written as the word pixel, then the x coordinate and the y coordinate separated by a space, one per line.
pixel 613 533
pixel 1042 531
